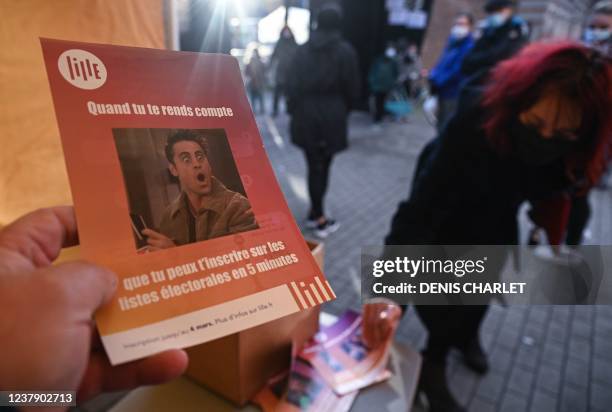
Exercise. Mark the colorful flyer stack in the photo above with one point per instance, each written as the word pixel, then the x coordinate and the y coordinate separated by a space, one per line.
pixel 344 360
pixel 174 192
pixel 328 373
pixel 302 389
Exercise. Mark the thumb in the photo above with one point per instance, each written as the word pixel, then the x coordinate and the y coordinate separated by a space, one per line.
pixel 82 285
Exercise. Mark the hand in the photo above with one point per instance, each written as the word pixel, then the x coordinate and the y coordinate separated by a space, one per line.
pixel 47 335
pixel 380 320
pixel 157 241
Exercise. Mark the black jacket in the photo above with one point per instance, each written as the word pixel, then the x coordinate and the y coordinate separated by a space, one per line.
pixel 464 192
pixel 323 85
pixel 495 45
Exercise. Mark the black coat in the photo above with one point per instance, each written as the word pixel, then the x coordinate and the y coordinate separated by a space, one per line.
pixel 495 45
pixel 322 85
pixel 464 192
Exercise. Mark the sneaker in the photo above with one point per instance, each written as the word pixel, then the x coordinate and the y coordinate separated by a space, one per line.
pixel 534 237
pixel 474 357
pixel 312 223
pixel 327 228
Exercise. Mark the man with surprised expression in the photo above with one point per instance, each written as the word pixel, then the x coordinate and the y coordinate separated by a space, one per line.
pixel 205 208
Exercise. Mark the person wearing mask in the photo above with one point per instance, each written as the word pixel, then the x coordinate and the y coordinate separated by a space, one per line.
pixel 282 55
pixel 501 35
pixel 382 79
pixel 323 86
pixel 49 338
pixel 539 126
pixel 597 35
pixel 598 32
pixel 256 81
pixel 446 77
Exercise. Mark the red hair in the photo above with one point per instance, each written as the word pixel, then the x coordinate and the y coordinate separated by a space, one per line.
pixel 579 74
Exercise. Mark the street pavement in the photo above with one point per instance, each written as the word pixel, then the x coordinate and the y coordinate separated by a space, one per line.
pixel 543 358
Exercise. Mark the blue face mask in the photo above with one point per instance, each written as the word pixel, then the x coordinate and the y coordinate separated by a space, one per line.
pixel 459 32
pixel 496 19
pixel 595 36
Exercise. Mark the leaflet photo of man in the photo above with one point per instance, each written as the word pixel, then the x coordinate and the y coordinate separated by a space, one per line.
pixel 205 208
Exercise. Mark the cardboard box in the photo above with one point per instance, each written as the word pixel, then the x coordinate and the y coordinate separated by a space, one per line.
pixel 238 366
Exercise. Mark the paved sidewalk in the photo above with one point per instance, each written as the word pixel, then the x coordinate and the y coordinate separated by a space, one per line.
pixel 544 358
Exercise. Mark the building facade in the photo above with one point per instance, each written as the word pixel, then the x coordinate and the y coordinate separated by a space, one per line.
pixel 548 19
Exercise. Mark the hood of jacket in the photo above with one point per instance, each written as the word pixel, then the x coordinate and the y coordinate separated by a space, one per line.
pixel 324 39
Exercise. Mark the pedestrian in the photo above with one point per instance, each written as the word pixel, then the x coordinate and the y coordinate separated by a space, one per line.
pixel 256 81
pixel 500 36
pixel 446 76
pixel 410 70
pixel 598 32
pixel 540 126
pixel 322 88
pixel 382 78
pixel 48 309
pixel 282 56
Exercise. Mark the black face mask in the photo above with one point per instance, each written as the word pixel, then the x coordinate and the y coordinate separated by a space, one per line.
pixel 534 149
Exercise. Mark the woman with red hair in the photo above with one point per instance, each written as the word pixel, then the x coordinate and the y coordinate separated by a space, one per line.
pixel 539 128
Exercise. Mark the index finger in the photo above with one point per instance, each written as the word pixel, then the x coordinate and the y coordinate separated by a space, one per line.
pixel 40 235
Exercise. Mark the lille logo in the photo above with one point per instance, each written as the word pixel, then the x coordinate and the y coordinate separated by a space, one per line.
pixel 82 69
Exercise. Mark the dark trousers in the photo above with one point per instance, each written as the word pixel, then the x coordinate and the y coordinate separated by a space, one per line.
pixel 279 91
pixel 257 100
pixel 449 326
pixel 578 220
pixel 318 163
pixel 379 106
